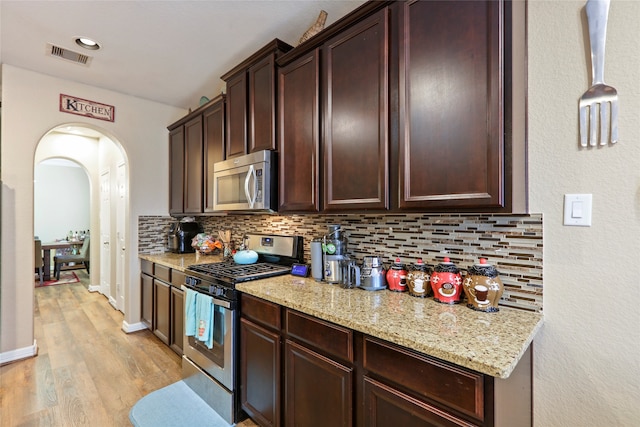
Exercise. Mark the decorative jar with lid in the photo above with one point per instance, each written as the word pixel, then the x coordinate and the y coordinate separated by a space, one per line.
pixel 418 279
pixel 483 287
pixel 446 282
pixel 397 277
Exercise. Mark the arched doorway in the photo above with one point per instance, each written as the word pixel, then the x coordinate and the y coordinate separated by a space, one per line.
pixel 105 162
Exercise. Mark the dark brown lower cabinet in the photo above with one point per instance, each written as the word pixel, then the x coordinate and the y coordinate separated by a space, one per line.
pixel 146 300
pixel 161 315
pixel 318 391
pixel 162 303
pixel 384 406
pixel 260 372
pixel 176 315
pixel 329 375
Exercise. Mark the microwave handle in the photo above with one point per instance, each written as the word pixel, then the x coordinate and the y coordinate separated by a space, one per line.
pixel 250 199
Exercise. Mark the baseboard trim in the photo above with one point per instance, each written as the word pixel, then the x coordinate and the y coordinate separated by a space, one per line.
pixel 19 354
pixel 94 288
pixel 133 327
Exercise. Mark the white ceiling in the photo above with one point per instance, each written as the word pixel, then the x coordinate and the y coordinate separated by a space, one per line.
pixel 172 52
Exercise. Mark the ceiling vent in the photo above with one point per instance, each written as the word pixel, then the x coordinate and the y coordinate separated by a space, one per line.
pixel 69 55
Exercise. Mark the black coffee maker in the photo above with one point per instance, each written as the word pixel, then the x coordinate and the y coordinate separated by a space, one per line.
pixel 180 235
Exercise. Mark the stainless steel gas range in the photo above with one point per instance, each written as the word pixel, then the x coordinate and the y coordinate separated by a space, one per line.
pixel 213 372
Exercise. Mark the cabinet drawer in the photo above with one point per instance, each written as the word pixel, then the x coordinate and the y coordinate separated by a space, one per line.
pixel 333 339
pixel 163 273
pixel 260 311
pixel 457 388
pixel 146 267
pixel 177 278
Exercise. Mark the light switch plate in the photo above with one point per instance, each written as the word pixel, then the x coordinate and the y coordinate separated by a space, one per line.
pixel 577 209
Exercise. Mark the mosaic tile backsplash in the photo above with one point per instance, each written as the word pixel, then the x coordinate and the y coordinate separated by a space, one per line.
pixel 513 243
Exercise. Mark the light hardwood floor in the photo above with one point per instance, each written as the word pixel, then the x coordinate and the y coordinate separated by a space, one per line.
pixel 88 372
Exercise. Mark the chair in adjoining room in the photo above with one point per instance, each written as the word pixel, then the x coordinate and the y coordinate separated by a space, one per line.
pixel 81 258
pixel 39 261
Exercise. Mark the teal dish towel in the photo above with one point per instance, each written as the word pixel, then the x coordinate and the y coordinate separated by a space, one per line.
pixel 190 312
pixel 204 319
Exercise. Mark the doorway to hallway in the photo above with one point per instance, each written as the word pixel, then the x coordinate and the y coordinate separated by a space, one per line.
pixel 104 162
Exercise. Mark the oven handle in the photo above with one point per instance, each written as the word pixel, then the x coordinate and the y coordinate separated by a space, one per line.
pixel 216 301
pixel 221 303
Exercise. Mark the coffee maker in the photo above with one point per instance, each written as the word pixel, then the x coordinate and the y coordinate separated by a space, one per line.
pixel 180 235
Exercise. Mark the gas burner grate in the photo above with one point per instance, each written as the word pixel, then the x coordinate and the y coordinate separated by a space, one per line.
pixel 232 272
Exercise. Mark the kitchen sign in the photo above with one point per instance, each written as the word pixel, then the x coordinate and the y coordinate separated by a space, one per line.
pixel 83 107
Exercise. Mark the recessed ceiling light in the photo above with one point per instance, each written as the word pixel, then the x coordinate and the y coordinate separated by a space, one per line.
pixel 87 43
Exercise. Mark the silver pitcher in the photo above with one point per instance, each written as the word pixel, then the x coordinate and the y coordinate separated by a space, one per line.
pixel 372 274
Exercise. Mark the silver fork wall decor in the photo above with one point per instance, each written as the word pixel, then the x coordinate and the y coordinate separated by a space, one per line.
pixel 598 107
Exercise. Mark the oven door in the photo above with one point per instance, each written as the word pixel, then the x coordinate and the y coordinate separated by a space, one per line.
pixel 217 361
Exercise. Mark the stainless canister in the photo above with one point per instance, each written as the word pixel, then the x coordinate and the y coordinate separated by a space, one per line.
pixel 317 263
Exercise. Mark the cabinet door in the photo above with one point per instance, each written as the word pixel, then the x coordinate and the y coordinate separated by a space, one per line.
pixel 262 105
pixel 451 109
pixel 161 316
pixel 260 373
pixel 385 406
pixel 356 111
pixel 318 391
pixel 213 118
pixel 236 116
pixel 146 299
pixel 299 135
pixel 193 175
pixel 177 319
pixel 176 170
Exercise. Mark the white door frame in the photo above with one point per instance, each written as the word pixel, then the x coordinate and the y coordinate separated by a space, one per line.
pixel 105 235
pixel 121 233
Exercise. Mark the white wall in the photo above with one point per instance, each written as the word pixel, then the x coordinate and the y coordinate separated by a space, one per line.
pixel 29 110
pixel 61 201
pixel 587 357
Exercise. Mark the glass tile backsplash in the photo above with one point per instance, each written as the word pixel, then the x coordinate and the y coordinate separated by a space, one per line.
pixel 513 243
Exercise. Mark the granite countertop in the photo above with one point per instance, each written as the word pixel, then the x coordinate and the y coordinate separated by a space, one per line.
pixel 180 261
pixel 490 343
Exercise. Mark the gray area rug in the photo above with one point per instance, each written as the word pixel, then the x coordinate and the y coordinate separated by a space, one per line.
pixel 175 405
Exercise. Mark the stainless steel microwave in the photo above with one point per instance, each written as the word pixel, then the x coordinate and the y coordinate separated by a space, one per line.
pixel 246 183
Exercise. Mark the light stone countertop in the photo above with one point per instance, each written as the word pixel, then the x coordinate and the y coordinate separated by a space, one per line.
pixel 490 343
pixel 180 261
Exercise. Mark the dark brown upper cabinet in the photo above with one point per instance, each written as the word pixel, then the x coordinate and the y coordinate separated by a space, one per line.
pixel 423 109
pixel 176 170
pixel 450 74
pixel 193 166
pixel 236 121
pixel 196 142
pixel 454 79
pixel 355 111
pixel 251 102
pixel 299 135
pixel 213 119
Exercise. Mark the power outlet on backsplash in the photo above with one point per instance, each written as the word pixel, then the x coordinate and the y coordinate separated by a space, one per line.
pixel 512 243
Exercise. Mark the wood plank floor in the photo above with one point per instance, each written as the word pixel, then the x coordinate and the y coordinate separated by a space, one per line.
pixel 88 372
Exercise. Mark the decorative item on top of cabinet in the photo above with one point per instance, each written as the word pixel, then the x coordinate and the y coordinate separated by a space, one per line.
pixel 315 28
pixel 196 142
pixel 251 102
pixel 355 116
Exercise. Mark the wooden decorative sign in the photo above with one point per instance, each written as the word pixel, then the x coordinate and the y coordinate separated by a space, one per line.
pixel 83 107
